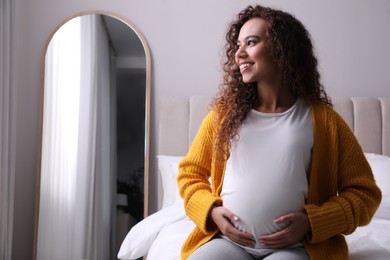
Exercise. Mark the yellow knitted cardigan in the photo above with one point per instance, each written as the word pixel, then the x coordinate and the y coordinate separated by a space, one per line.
pixel 342 192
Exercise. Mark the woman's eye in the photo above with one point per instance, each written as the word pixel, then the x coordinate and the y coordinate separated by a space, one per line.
pixel 250 43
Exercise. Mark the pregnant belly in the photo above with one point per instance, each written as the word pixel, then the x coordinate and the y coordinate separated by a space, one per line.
pixel 257 213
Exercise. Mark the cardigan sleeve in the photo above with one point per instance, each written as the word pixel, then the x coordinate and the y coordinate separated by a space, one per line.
pixel 357 196
pixel 193 177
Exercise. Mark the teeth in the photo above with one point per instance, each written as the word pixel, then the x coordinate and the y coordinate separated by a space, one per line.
pixel 244 65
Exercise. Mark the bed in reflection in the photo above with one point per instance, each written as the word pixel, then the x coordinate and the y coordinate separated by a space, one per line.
pixel 161 235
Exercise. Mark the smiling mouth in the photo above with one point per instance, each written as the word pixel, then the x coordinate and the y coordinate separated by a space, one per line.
pixel 245 66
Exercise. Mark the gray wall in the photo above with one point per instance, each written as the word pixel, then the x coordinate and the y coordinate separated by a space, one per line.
pixel 185 39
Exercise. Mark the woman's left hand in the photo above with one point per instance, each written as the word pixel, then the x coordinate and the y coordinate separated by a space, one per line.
pixel 298 226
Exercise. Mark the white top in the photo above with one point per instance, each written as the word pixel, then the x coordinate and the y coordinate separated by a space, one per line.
pixel 266 173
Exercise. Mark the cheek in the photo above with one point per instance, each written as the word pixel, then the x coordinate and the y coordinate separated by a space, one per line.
pixel 259 55
pixel 264 60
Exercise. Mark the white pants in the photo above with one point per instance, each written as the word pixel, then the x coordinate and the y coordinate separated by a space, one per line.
pixel 222 249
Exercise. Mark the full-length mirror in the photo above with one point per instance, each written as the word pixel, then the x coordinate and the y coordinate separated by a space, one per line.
pixel 93 170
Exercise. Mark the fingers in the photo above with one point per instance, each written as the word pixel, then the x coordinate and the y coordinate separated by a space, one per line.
pixel 277 240
pixel 286 218
pixel 294 227
pixel 275 236
pixel 297 226
pixel 224 218
pixel 228 214
pixel 240 237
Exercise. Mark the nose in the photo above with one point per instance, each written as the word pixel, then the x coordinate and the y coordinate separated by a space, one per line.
pixel 241 53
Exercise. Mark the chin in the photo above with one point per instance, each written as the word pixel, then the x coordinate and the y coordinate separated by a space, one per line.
pixel 248 81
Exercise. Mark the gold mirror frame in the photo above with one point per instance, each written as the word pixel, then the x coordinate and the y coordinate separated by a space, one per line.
pixel 147 114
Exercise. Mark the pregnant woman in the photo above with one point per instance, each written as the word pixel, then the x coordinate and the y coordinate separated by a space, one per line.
pixel 288 177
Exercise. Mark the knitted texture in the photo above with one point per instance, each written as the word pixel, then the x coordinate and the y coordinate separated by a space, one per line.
pixel 342 191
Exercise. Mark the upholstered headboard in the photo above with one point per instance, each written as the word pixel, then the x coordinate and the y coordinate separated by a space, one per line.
pixel 180 118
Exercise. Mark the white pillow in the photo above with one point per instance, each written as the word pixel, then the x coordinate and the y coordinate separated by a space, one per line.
pixel 141 236
pixel 168 168
pixel 384 208
pixel 380 166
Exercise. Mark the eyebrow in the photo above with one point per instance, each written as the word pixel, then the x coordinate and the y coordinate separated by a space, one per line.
pixel 252 36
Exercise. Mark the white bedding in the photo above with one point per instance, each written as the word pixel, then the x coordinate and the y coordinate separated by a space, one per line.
pixel 162 234
pixel 167 244
pixel 371 242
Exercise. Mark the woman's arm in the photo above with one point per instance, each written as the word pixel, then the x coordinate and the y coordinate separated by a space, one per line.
pixel 201 204
pixel 346 169
pixel 194 174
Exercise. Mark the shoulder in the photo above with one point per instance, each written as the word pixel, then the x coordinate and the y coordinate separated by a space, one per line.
pixel 331 129
pixel 328 122
pixel 211 120
pixel 326 114
pixel 208 126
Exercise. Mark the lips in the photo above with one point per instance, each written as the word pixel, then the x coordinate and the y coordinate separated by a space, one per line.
pixel 244 66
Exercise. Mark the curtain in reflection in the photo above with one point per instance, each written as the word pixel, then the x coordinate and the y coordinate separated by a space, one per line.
pixel 6 130
pixel 77 167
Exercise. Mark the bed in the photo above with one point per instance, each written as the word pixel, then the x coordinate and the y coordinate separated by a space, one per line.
pixel 161 235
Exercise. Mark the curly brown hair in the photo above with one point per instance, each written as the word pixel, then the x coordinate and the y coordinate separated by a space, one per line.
pixel 288 43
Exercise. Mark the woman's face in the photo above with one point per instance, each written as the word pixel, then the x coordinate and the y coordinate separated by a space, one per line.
pixel 251 57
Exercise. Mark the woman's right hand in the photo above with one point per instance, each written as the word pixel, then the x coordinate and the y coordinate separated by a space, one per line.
pixel 223 218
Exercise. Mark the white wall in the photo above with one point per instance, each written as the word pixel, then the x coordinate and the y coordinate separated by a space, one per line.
pixel 185 39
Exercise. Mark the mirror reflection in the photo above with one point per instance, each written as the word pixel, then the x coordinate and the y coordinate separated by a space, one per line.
pixel 93 166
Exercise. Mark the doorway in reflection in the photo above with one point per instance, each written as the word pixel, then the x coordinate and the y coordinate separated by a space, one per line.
pixel 130 149
pixel 130 125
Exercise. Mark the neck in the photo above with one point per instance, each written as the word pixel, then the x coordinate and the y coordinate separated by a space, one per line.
pixel 273 98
